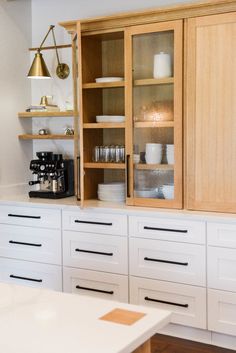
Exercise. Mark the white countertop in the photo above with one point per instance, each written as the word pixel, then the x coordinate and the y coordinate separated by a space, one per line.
pixel 70 203
pixel 42 321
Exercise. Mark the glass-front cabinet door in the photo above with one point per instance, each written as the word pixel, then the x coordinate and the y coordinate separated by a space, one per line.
pixel 154 114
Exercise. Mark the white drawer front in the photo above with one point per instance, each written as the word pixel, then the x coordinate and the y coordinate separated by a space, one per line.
pixel 95 252
pixel 30 216
pixel 96 284
pixel 221 234
pixel 187 303
pixel 31 244
pixel 31 274
pixel 177 262
pixel 222 268
pixel 168 229
pixel 102 223
pixel 222 312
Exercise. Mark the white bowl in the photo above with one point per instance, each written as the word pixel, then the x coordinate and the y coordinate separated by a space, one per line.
pixel 168 191
pixel 108 79
pixel 146 193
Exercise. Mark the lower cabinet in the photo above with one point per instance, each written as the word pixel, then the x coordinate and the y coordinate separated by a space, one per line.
pixel 97 284
pixel 222 312
pixel 31 274
pixel 188 303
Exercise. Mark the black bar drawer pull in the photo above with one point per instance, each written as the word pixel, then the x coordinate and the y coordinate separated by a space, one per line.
pixel 165 302
pixel 96 290
pixel 27 279
pixel 95 252
pixel 23 216
pixel 21 243
pixel 91 222
pixel 166 229
pixel 166 261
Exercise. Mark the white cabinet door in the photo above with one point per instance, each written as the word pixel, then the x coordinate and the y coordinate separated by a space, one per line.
pixel 187 303
pixel 92 222
pixel 221 265
pixel 222 312
pixel 168 229
pixel 31 274
pixel 30 216
pixel 31 244
pixel 177 262
pixel 96 252
pixel 221 234
pixel 97 284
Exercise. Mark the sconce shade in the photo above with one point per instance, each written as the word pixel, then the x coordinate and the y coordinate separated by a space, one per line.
pixel 38 68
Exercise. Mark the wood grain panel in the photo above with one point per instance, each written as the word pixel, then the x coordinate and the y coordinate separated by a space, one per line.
pixel 211 113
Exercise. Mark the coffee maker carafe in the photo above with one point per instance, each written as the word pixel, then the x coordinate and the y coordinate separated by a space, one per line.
pixel 54 176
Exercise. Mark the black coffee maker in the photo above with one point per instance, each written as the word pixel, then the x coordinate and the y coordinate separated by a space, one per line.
pixel 54 176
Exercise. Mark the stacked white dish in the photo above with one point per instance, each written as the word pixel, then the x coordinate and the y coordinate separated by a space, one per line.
pixel 168 191
pixel 113 192
pixel 170 154
pixel 110 118
pixel 108 79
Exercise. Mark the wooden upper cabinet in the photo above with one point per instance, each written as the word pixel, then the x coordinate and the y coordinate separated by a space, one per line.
pixel 211 113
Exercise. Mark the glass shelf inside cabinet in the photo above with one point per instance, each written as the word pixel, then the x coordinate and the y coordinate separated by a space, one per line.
pixel 153 115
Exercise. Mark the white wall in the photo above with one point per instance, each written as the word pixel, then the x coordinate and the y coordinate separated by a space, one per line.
pixel 15 91
pixel 46 12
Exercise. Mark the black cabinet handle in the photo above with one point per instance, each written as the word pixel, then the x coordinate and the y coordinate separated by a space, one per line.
pixel 95 252
pixel 27 279
pixel 23 216
pixel 166 261
pixel 96 290
pixel 165 302
pixel 127 175
pixel 21 243
pixel 91 222
pixel 166 229
pixel 78 184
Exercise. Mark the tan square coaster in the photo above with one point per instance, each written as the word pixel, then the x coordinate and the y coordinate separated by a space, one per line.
pixel 121 316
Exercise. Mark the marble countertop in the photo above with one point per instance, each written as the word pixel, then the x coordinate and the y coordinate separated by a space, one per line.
pixel 43 321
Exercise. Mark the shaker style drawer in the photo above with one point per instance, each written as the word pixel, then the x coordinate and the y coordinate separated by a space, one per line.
pixel 31 244
pixel 168 229
pixel 31 216
pixel 95 252
pixel 221 234
pixel 187 303
pixel 177 262
pixel 221 265
pixel 102 223
pixel 96 284
pixel 222 312
pixel 31 274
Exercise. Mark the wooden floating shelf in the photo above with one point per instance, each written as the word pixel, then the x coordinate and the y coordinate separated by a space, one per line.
pixel 154 166
pixel 93 85
pixel 104 126
pixel 104 165
pixel 154 81
pixel 69 113
pixel 46 137
pixel 143 124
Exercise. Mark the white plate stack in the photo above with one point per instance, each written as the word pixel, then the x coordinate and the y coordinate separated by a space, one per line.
pixel 113 192
pixel 170 154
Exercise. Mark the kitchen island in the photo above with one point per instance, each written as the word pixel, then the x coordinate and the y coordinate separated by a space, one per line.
pixel 43 321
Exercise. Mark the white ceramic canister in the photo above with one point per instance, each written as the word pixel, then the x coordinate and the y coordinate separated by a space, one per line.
pixel 162 65
pixel 153 153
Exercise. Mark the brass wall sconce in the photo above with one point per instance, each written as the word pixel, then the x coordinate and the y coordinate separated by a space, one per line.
pixel 39 68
